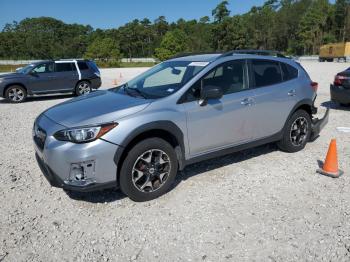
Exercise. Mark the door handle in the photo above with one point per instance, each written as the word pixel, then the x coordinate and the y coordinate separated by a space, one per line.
pixel 247 101
pixel 292 92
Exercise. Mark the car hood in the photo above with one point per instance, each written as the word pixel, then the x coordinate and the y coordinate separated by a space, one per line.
pixel 96 108
pixel 11 75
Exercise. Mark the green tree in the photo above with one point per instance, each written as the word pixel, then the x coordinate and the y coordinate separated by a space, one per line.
pixel 103 49
pixel 220 12
pixel 312 26
pixel 174 42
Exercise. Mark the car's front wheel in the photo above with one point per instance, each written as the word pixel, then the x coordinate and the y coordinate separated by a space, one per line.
pixel 296 133
pixel 148 170
pixel 83 88
pixel 16 94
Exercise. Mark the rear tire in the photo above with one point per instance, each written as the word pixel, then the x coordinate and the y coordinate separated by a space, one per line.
pixel 296 133
pixel 16 94
pixel 148 170
pixel 83 88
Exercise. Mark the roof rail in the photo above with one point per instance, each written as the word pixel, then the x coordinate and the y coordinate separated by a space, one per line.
pixel 196 53
pixel 70 59
pixel 254 52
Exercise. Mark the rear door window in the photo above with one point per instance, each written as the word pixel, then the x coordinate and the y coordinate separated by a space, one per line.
pixel 266 72
pixel 64 67
pixel 289 72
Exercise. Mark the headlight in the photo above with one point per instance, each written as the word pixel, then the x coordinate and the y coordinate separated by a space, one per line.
pixel 84 134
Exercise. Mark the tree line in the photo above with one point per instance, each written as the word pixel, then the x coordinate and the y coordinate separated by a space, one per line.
pixel 297 27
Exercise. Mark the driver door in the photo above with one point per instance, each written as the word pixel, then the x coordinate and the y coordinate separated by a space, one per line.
pixel 42 78
pixel 224 122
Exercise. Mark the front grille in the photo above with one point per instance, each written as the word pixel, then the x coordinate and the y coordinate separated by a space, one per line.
pixel 39 136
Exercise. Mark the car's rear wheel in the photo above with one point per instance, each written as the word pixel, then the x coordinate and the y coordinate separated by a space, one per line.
pixel 16 94
pixel 148 170
pixel 296 133
pixel 83 88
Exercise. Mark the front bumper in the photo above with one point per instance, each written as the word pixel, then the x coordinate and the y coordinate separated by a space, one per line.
pixel 56 181
pixel 76 167
pixel 318 124
pixel 340 94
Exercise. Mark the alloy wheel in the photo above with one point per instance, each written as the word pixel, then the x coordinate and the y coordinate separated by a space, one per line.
pixel 151 170
pixel 16 94
pixel 84 88
pixel 299 131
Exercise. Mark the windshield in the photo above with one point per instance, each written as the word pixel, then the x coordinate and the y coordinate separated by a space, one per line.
pixel 165 78
pixel 26 69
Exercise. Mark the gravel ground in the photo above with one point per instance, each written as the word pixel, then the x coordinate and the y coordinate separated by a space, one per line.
pixel 259 204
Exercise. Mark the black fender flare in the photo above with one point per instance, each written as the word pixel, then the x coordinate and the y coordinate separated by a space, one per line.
pixel 307 102
pixel 164 125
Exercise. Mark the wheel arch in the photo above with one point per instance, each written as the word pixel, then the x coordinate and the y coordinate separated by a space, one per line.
pixel 14 84
pixel 81 80
pixel 306 105
pixel 166 130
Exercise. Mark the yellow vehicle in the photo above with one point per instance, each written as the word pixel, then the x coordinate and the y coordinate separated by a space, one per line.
pixel 339 51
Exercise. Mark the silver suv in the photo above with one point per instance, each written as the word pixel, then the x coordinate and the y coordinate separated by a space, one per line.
pixel 184 110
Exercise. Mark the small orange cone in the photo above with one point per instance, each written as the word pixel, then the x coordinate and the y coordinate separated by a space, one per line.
pixel 330 165
pixel 114 82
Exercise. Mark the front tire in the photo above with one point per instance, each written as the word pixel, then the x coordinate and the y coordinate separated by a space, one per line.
pixel 16 94
pixel 83 88
pixel 148 170
pixel 296 133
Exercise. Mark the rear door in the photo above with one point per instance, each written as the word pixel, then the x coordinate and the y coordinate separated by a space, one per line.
pixel 275 95
pixel 222 122
pixel 67 76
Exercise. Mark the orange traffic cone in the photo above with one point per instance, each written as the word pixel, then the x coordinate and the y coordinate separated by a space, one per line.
pixel 114 82
pixel 330 165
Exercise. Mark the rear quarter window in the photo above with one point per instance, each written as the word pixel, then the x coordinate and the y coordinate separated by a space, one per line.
pixel 289 72
pixel 83 66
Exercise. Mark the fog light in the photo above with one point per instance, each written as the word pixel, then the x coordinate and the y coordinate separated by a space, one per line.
pixel 82 174
pixel 77 172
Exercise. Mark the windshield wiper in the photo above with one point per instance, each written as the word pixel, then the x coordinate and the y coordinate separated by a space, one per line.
pixel 138 91
pixel 127 90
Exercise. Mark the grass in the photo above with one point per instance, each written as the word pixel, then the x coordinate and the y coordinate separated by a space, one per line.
pixel 12 68
pixel 125 64
pixel 9 68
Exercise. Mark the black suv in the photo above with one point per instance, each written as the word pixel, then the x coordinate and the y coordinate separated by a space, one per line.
pixel 47 77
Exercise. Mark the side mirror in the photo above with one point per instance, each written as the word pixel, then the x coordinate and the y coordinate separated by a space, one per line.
pixel 210 92
pixel 32 73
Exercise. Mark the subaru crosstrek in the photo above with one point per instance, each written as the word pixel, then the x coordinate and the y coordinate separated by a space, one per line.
pixel 49 77
pixel 137 136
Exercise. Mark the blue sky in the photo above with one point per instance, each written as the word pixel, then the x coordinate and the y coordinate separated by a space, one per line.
pixel 111 14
